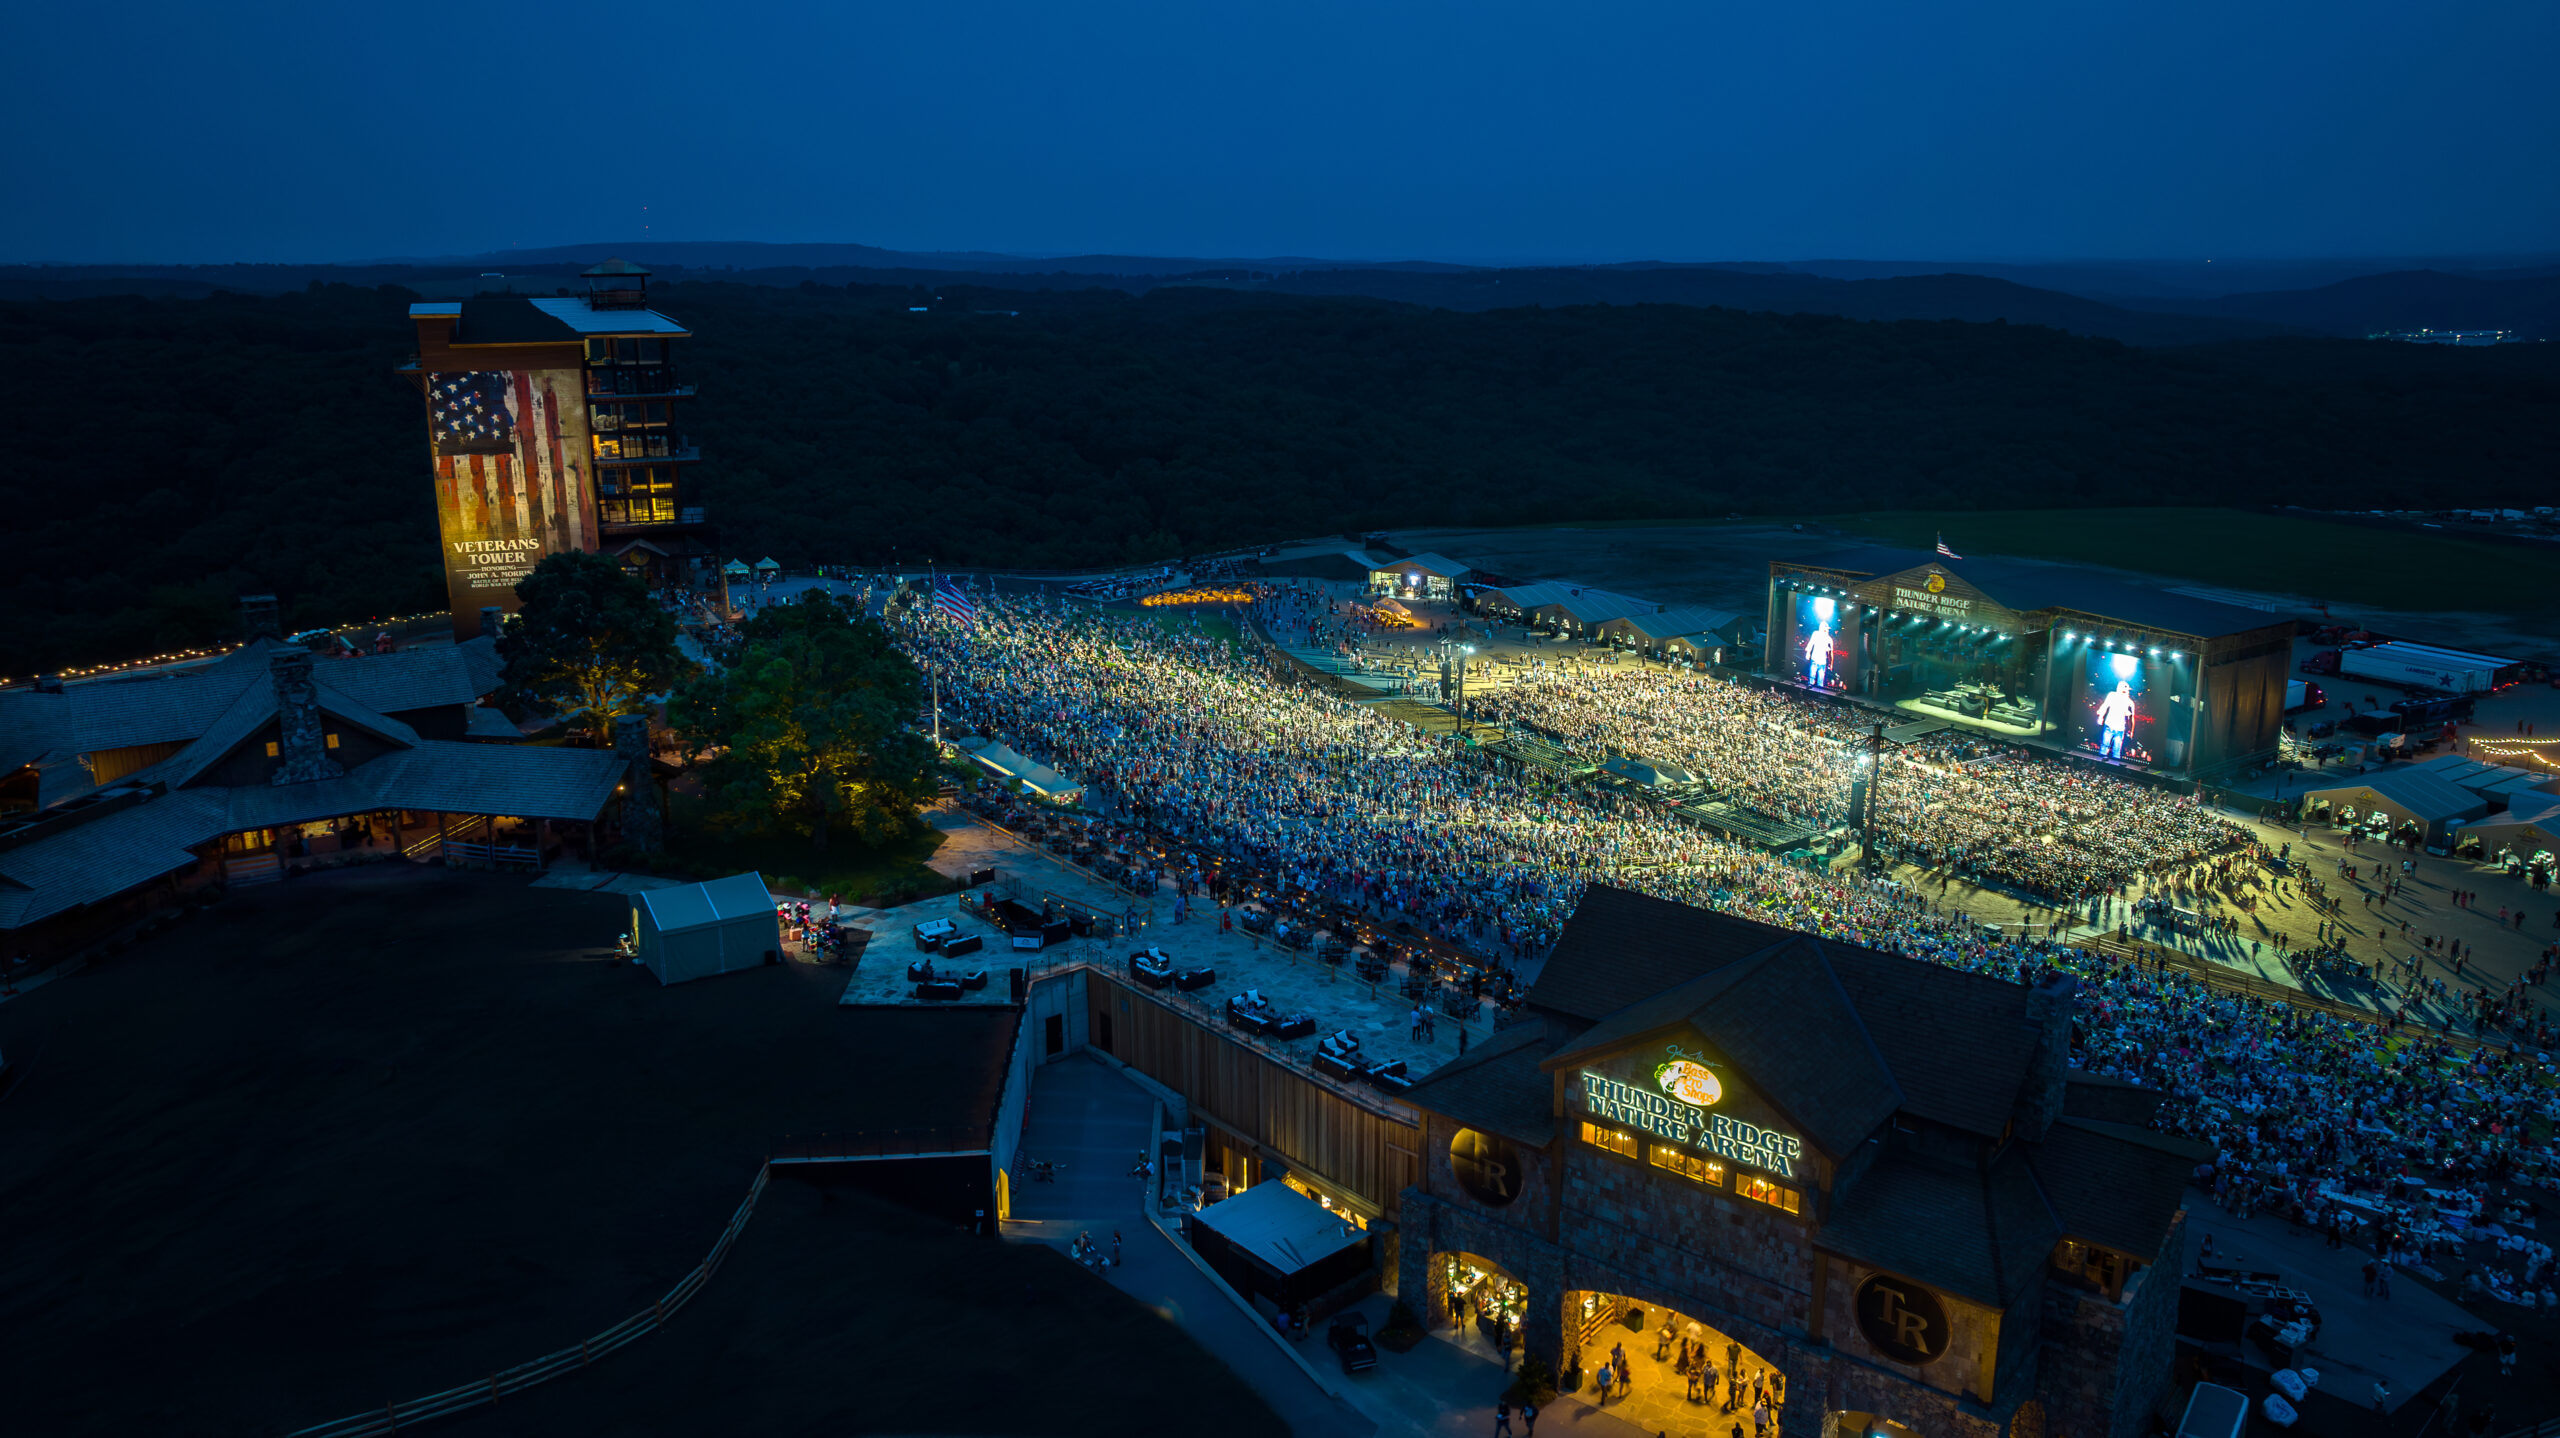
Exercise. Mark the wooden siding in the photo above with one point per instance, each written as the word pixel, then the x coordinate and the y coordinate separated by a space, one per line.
pixel 1308 1126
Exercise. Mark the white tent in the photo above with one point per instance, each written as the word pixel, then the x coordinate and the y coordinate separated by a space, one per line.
pixel 698 930
pixel 1003 762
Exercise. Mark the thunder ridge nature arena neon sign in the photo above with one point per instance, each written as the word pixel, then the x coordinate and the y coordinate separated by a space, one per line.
pixel 1680 1115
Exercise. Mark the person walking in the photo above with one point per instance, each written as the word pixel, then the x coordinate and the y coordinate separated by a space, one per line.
pixel 1502 1419
pixel 1528 1419
pixel 2506 1355
pixel 1606 1378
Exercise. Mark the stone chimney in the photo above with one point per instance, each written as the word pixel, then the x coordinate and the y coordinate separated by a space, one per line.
pixel 302 743
pixel 491 616
pixel 258 618
pixel 643 828
pixel 2050 1006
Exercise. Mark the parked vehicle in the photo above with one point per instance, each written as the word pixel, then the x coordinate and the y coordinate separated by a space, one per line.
pixel 1349 1337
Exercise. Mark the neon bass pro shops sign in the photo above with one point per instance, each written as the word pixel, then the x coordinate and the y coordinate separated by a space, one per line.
pixel 1690 1125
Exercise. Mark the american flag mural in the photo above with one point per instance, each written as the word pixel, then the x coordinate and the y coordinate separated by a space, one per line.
pixel 512 455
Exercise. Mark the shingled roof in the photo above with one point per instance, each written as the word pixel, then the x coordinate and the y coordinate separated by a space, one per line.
pixel 2115 1184
pixel 1856 1033
pixel 1498 1086
pixel 210 711
pixel 1983 1234
pixel 1622 946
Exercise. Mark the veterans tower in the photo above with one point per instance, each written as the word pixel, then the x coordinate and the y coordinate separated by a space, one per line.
pixel 556 424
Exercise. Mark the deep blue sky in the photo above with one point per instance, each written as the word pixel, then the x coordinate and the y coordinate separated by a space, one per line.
pixel 1378 128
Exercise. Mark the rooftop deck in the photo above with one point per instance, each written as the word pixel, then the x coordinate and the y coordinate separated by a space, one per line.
pixel 1290 980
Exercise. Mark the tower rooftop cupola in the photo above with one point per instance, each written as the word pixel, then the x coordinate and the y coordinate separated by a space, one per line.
pixel 617 285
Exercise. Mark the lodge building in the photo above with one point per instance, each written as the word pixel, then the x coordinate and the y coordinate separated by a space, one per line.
pixel 1877 1176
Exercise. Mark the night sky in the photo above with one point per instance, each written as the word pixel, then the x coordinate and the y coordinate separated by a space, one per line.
pixel 1380 129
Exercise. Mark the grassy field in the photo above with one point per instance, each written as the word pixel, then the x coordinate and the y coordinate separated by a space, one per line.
pixel 2238 549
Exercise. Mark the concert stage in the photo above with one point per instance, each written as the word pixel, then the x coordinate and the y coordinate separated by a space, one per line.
pixel 2048 655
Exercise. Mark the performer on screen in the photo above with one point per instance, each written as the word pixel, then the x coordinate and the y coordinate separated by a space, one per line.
pixel 2115 716
pixel 1817 657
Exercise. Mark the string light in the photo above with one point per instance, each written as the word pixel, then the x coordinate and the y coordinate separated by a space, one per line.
pixel 179 656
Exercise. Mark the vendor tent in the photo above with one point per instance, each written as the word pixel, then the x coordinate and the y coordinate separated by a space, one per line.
pixel 2410 795
pixel 1275 1241
pixel 2529 825
pixel 1699 627
pixel 697 930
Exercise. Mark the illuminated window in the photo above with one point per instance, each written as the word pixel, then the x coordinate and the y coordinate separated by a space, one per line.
pixel 1689 1165
pixel 271 748
pixel 333 741
pixel 1774 1195
pixel 1621 1144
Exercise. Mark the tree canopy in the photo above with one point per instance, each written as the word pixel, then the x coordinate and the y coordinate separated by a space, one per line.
pixel 590 645
pixel 811 713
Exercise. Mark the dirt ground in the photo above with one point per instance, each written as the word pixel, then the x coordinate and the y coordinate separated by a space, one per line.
pixel 371 1134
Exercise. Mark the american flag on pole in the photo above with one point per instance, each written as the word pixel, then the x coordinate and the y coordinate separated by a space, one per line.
pixel 1943 549
pixel 951 603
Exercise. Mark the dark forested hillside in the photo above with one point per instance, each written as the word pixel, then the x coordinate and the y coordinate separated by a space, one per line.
pixel 165 456
pixel 1099 424
pixel 168 454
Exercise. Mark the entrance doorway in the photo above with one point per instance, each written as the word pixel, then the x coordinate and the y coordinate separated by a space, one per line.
pixel 1673 1373
pixel 1479 1303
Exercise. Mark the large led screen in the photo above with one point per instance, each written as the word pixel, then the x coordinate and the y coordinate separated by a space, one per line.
pixel 2120 717
pixel 1821 648
pixel 512 456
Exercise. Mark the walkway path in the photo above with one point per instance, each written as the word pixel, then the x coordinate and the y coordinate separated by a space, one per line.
pixel 1083 1112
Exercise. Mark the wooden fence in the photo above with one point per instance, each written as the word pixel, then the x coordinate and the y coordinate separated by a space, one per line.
pixel 398 1415
pixel 2253 986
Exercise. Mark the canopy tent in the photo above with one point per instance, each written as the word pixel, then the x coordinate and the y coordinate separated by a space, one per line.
pixel 1423 576
pixel 1717 626
pixel 2528 826
pixel 1277 1242
pixel 697 930
pixel 1646 771
pixel 767 566
pixel 736 569
pixel 1039 779
pixel 2408 794
pixel 2497 783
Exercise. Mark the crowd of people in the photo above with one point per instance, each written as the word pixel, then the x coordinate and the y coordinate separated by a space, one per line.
pixel 1223 749
pixel 2059 832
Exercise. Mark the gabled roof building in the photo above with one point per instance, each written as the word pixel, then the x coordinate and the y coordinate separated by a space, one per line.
pixel 1874 1177
pixel 264 760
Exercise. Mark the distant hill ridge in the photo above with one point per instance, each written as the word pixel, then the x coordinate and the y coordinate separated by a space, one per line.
pixel 2148 304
